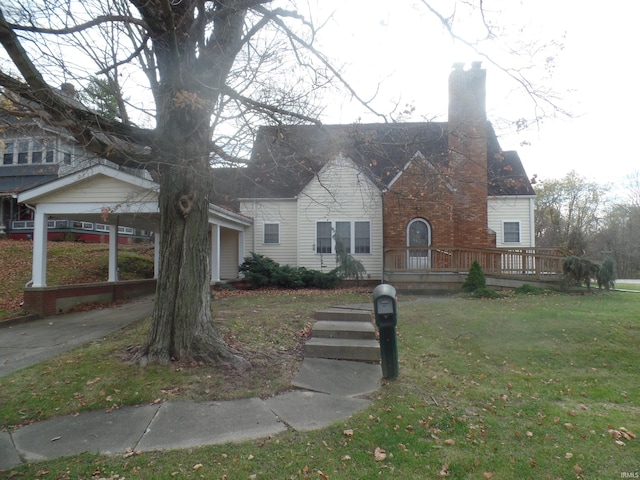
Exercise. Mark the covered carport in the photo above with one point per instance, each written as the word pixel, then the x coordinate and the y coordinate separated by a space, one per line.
pixel 106 196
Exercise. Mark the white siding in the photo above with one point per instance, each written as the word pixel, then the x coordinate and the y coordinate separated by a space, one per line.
pixel 340 193
pixel 512 209
pixel 101 188
pixel 228 254
pixel 281 212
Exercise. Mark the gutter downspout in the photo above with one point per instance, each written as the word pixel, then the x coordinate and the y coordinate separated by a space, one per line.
pixel 253 240
pixel 532 223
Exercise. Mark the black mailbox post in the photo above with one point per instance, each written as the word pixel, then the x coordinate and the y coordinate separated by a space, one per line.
pixel 386 313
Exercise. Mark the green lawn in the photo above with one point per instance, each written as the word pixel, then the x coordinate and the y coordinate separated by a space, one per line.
pixel 522 387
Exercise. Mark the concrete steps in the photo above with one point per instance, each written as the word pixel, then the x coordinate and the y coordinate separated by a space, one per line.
pixel 343 334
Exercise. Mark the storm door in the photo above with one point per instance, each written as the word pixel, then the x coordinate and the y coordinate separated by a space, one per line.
pixel 418 241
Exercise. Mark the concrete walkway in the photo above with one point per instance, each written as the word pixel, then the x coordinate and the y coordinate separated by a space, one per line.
pixel 326 391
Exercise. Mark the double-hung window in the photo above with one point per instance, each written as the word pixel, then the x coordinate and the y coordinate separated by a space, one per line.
pixel 36 152
pixel 511 232
pixel 343 235
pixel 354 236
pixel 271 233
pixel 7 156
pixel 23 152
pixel 362 238
pixel 323 237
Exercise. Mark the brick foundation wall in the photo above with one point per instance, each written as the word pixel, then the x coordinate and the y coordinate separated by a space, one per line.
pixel 48 301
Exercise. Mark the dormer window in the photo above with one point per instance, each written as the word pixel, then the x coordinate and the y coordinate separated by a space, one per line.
pixel 25 152
pixel 7 156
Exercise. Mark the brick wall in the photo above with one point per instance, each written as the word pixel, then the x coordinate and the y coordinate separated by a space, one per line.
pixel 48 301
pixel 452 198
pixel 418 193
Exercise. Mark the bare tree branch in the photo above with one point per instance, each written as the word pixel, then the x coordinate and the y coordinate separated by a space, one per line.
pixel 293 37
pixel 265 107
pixel 81 27
pixel 531 90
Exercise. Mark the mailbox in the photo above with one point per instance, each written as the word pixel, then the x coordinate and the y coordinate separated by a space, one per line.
pixel 384 305
pixel 386 315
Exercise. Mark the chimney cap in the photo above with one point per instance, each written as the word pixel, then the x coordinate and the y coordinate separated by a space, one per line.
pixel 458 65
pixel 476 65
pixel 68 89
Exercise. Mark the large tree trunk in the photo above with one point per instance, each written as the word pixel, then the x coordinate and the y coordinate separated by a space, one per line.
pixel 182 328
pixel 192 73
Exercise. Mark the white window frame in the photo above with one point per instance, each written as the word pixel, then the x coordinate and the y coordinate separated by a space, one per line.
pixel 57 224
pixel 355 237
pixel 504 232
pixel 264 233
pixel 334 232
pixel 317 246
pixel 80 225
pixel 24 148
pixel 44 146
pixel 9 148
pixel 22 225
pixel 351 248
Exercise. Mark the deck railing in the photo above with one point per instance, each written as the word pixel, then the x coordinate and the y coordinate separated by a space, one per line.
pixel 512 262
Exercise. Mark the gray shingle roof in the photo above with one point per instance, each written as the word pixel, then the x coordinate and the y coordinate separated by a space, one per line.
pixel 285 158
pixel 18 178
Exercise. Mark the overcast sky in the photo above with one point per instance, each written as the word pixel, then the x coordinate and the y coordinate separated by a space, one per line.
pixel 401 45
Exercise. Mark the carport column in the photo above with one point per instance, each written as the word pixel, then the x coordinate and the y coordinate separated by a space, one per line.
pixel 214 257
pixel 240 247
pixel 2 225
pixel 39 266
pixel 113 253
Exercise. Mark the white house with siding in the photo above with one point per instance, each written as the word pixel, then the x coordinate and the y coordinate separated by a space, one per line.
pixel 300 231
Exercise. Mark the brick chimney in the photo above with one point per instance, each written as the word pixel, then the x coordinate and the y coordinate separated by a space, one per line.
pixel 68 89
pixel 467 137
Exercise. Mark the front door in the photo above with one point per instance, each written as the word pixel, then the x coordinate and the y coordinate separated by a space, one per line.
pixel 418 241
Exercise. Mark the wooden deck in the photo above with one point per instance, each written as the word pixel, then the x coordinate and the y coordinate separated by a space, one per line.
pixel 445 268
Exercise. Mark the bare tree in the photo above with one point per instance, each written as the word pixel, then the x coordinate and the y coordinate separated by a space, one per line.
pixel 207 64
pixel 568 212
pixel 198 57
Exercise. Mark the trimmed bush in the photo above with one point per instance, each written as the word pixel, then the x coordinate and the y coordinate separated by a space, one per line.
pixel 484 292
pixel 527 289
pixel 475 279
pixel 259 270
pixel 262 271
pixel 607 274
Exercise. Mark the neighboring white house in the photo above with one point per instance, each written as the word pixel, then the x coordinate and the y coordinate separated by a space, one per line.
pixel 33 153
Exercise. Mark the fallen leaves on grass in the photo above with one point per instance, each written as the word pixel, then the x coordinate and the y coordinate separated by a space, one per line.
pixel 621 434
pixel 379 454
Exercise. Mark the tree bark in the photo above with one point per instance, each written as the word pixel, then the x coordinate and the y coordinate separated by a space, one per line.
pixel 182 327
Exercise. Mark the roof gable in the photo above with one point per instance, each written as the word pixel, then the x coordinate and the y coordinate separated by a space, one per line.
pixel 285 158
pixel 91 177
pixel 329 172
